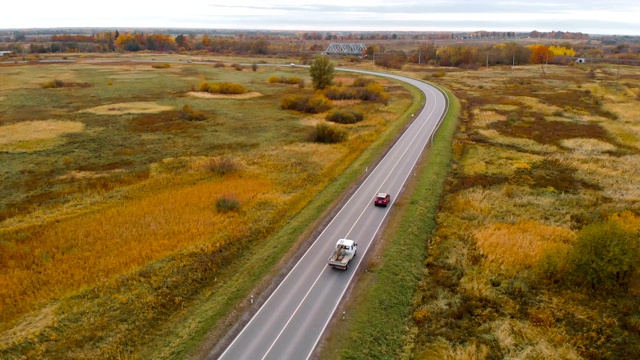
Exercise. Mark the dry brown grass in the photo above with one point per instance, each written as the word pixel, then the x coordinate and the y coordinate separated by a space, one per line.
pixel 207 95
pixel 129 108
pixel 83 251
pixel 36 135
pixel 30 325
pixel 539 157
pixel 511 248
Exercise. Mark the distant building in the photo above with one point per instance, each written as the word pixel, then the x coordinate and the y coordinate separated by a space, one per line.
pixel 580 60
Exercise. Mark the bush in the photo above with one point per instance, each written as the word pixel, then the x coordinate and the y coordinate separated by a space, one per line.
pixel 222 165
pixel 285 80
pixel 227 203
pixel 294 102
pixel 336 93
pixel 222 88
pixel 236 66
pixel 219 64
pixel 374 92
pixel 315 104
pixel 345 116
pixel 606 254
pixel 361 82
pixel 327 134
pixel 231 88
pixel 318 104
pixel 188 113
pixel 53 84
pixel 161 66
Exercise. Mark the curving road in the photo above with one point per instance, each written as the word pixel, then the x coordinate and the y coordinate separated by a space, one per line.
pixel 291 322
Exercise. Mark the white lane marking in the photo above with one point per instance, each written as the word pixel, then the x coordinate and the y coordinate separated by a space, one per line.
pixel 293 314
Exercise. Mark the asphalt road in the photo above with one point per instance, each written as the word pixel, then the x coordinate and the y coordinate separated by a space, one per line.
pixel 291 322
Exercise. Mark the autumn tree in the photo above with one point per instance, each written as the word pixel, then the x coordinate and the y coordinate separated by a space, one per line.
pixel 322 72
pixel 459 55
pixel 540 54
pixel 562 50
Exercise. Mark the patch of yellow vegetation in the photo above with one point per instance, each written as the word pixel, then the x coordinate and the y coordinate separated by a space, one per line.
pixel 618 176
pixel 484 117
pixel 525 144
pixel 138 231
pixel 515 247
pixel 36 135
pixel 500 107
pixel 587 146
pixel 486 160
pixel 129 108
pixel 519 339
pixel 206 95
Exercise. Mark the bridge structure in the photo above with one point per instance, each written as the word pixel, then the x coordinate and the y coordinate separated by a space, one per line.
pixel 346 49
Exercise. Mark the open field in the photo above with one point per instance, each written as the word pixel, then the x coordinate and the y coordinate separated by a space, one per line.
pixel 138 264
pixel 111 224
pixel 541 164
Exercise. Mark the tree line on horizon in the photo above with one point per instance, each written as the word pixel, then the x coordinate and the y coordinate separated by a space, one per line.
pixel 467 55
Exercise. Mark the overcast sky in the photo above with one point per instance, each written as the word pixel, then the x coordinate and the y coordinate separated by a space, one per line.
pixel 613 17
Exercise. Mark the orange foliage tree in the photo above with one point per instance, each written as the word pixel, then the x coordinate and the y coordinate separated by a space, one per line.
pixel 541 54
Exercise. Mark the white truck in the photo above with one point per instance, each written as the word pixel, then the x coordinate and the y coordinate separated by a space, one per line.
pixel 344 252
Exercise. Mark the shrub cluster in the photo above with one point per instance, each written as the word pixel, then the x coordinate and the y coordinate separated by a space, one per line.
pixel 285 80
pixel 236 66
pixel 161 66
pixel 310 104
pixel 392 60
pixel 227 203
pixel 191 114
pixel 327 134
pixel 345 116
pixel 223 88
pixel 222 165
pixel 362 89
pixel 53 84
pixel 219 64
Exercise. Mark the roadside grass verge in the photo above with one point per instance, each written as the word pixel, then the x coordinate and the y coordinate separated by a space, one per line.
pixel 378 317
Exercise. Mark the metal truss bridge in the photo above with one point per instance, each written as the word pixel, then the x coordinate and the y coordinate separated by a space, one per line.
pixel 346 49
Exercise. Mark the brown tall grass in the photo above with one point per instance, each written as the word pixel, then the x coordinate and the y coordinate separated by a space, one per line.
pixel 57 258
pixel 514 247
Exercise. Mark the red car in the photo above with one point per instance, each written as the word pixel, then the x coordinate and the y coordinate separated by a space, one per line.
pixel 382 199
